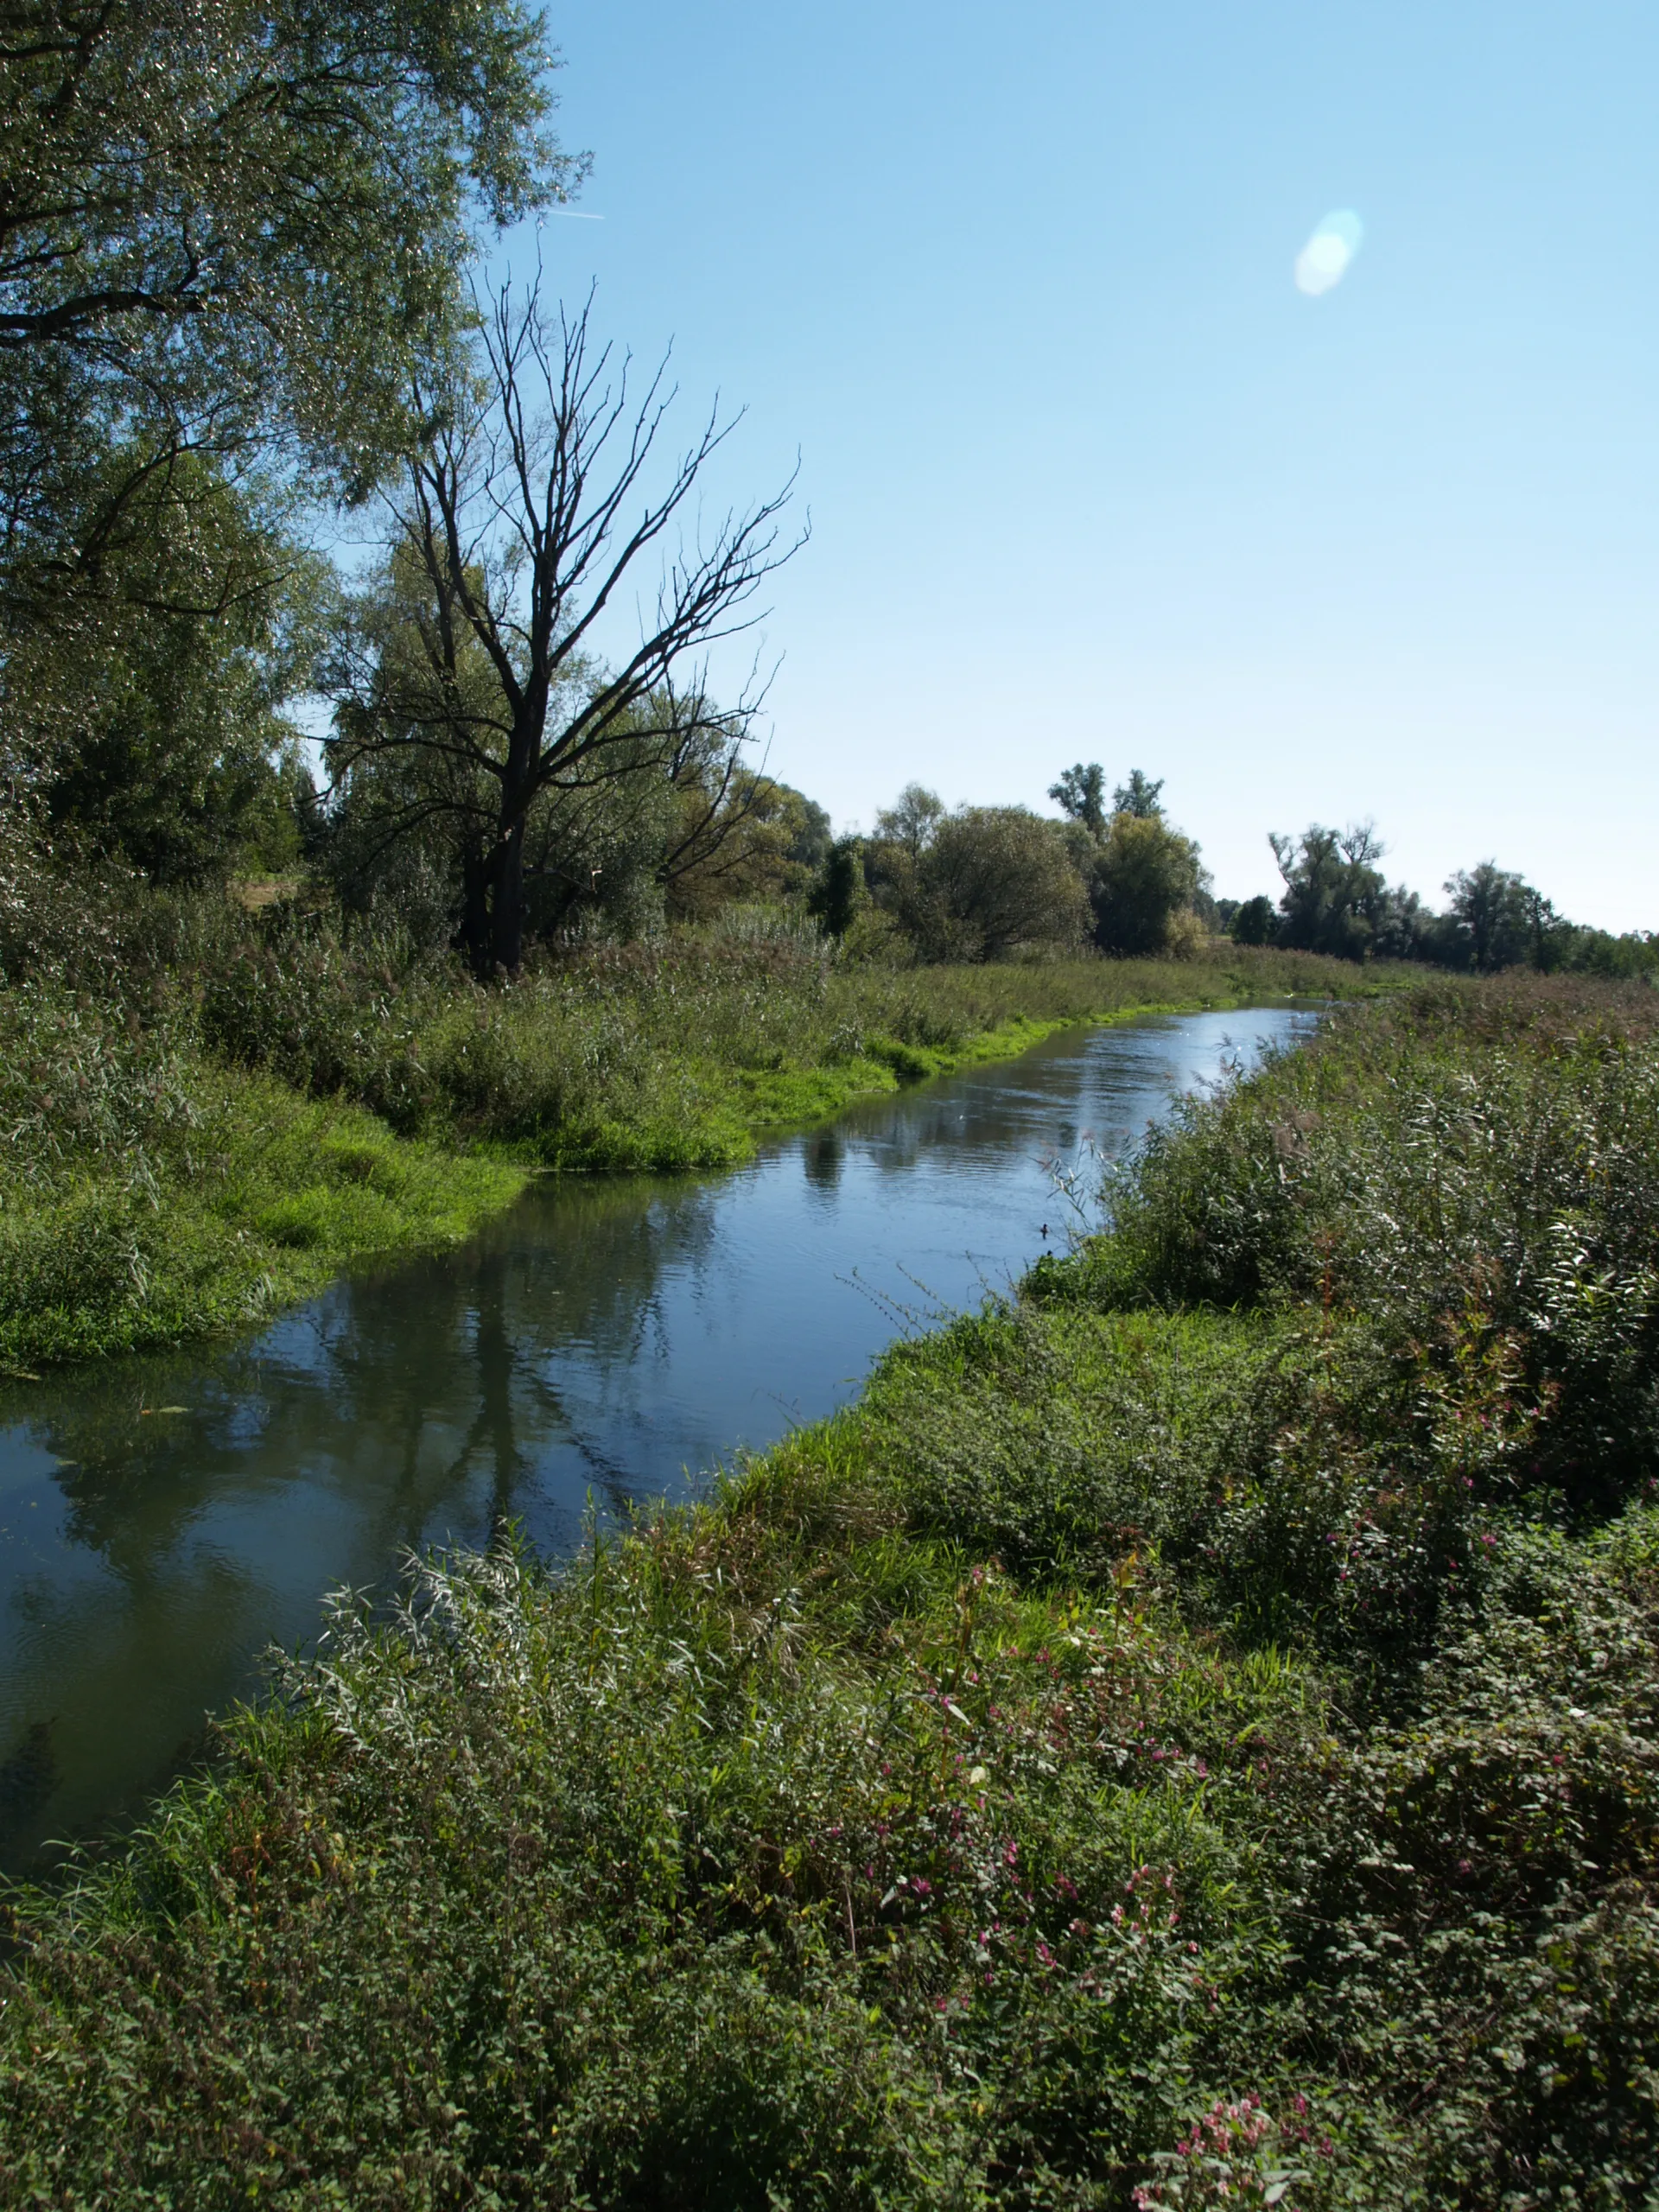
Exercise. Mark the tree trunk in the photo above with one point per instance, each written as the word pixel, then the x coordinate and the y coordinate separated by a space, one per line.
pixel 473 937
pixel 507 917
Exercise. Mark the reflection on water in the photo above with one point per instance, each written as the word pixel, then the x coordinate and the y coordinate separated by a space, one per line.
pixel 164 1519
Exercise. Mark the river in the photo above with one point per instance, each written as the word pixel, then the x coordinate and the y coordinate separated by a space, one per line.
pixel 165 1519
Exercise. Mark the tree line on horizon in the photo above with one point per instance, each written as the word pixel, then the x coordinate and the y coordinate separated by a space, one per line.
pixel 980 882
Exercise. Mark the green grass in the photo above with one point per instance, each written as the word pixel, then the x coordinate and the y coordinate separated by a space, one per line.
pixel 1188 1737
pixel 210 1196
pixel 223 1124
pixel 675 1055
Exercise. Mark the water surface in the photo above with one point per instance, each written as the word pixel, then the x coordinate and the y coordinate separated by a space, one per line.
pixel 164 1519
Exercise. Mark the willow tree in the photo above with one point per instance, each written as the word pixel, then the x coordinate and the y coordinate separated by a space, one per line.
pixel 521 522
pixel 230 232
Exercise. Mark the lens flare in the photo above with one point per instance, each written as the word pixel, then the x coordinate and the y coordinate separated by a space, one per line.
pixel 1323 262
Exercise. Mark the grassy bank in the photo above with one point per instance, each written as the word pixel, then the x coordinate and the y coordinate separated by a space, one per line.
pixel 672 1054
pixel 208 1115
pixel 152 1193
pixel 1190 1737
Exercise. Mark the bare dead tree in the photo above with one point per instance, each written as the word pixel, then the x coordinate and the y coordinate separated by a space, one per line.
pixel 516 524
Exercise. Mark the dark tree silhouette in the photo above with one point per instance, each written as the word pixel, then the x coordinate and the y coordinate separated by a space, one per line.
pixel 514 520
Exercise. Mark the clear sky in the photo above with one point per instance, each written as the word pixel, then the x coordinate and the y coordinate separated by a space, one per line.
pixel 1091 478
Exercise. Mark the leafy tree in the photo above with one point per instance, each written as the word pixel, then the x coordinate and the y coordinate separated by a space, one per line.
pixel 1335 898
pixel 993 879
pixel 1081 793
pixel 229 231
pixel 747 844
pixel 977 884
pixel 676 827
pixel 1253 922
pixel 512 522
pixel 222 219
pixel 839 891
pixel 1139 798
pixel 1503 921
pixel 912 821
pixel 167 748
pixel 1145 874
pixel 811 835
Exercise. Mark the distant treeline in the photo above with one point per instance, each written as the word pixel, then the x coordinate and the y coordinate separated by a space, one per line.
pixel 1336 900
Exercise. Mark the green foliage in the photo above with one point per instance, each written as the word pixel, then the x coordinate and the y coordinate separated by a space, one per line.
pixel 666 1053
pixel 1143 876
pixel 153 718
pixel 1142 1756
pixel 472 663
pixel 838 892
pixel 1473 1171
pixel 1501 918
pixel 152 1195
pixel 1081 794
pixel 244 221
pixel 1253 921
pixel 231 233
pixel 978 884
pixel 1336 899
pixel 1139 797
pixel 159 1051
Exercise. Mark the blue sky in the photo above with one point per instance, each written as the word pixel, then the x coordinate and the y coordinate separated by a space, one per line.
pixel 1090 478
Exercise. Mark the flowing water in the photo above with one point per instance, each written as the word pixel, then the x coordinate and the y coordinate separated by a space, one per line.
pixel 164 1519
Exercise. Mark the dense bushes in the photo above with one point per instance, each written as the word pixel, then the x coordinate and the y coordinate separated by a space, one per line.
pixel 1473 1176
pixel 1145 1755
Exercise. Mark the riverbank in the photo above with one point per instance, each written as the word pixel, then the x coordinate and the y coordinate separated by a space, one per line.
pixel 1192 1727
pixel 205 1128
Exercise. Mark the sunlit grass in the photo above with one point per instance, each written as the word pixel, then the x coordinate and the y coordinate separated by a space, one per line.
pixel 224 1128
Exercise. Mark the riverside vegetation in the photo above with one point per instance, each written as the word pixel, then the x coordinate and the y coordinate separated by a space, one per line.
pixel 1189 1736
pixel 208 1112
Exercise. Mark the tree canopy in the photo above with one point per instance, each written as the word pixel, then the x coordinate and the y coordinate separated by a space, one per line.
pixel 225 218
pixel 230 231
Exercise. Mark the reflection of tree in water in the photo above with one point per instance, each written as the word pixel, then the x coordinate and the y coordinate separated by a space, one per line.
pixel 823 1155
pixel 365 1390
pixel 28 1779
pixel 977 1116
pixel 397 1393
